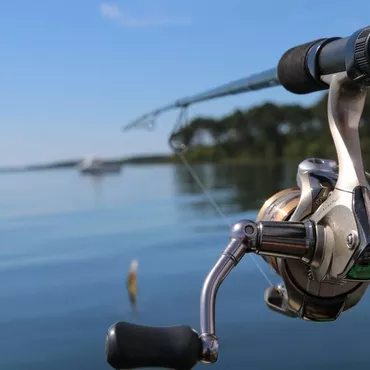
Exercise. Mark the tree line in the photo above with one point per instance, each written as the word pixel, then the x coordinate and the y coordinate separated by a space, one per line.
pixel 267 132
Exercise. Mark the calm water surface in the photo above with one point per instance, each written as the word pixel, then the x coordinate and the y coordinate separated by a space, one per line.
pixel 66 244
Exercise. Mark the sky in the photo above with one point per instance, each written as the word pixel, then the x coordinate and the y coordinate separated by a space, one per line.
pixel 73 72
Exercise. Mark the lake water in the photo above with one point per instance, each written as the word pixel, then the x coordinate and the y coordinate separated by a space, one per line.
pixel 66 242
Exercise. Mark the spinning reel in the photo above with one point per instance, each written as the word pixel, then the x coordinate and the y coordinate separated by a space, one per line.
pixel 316 236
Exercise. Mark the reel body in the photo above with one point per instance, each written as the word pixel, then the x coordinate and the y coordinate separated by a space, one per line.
pixel 300 295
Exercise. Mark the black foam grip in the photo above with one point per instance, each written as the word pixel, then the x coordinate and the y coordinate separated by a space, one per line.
pixel 293 73
pixel 130 346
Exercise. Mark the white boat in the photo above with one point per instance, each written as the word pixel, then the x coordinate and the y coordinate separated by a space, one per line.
pixel 97 166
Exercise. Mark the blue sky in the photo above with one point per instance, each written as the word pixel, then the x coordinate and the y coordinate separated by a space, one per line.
pixel 72 72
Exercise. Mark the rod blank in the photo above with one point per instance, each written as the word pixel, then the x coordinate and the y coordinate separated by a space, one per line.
pixel 254 82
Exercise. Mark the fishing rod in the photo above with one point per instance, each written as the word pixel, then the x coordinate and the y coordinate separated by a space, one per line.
pixel 299 71
pixel 255 82
pixel 316 236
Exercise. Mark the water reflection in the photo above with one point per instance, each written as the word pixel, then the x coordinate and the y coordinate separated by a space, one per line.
pixel 236 188
pixel 96 184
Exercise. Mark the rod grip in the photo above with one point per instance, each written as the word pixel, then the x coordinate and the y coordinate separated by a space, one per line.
pixel 294 73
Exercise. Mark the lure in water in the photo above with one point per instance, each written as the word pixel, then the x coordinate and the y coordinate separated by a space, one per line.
pixel 132 283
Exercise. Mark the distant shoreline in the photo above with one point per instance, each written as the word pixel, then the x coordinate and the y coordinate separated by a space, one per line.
pixel 146 160
pixel 156 159
pixel 265 134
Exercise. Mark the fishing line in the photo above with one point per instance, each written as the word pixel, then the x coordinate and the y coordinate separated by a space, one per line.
pixel 179 149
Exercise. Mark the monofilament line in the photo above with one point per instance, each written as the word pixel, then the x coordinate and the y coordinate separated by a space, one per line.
pixel 207 193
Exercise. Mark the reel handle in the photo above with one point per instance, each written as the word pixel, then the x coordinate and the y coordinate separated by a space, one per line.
pixel 130 346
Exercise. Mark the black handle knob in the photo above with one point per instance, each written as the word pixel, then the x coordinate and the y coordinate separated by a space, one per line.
pixel 130 346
